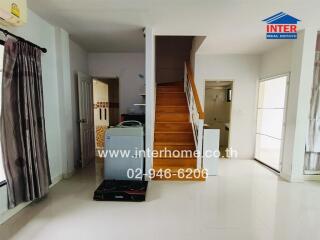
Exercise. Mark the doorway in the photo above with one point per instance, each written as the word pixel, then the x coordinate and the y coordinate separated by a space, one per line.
pixel 106 108
pixel 101 112
pixel 96 113
pixel 271 114
pixel 217 108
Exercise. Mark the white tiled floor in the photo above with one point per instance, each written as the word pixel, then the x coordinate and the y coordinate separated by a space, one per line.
pixel 245 202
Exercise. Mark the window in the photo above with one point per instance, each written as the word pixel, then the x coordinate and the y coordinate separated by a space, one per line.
pixel 2 175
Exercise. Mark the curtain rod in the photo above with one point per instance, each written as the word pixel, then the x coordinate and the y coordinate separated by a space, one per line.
pixel 44 50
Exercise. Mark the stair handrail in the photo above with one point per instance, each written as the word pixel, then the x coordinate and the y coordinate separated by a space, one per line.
pixel 190 78
pixel 195 111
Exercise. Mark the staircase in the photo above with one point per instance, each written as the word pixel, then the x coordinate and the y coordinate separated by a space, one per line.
pixel 173 131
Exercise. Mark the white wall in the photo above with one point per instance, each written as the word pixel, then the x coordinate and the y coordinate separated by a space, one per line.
pixel 150 94
pixel 196 44
pixel 78 59
pixel 277 61
pixel 125 66
pixel 64 86
pixel 78 63
pixel 297 58
pixel 243 70
pixel 298 107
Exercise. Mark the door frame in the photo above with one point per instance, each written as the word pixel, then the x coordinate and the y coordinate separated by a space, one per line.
pixel 230 113
pixel 284 124
pixel 82 162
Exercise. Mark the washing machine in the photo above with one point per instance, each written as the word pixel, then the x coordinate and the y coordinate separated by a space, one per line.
pixel 123 152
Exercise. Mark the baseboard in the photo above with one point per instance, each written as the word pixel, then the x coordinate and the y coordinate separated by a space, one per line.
pixel 11 212
pixel 55 180
pixel 309 172
pixel 285 177
pixel 312 177
pixel 289 178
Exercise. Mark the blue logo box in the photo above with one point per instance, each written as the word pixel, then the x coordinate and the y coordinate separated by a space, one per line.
pixel 281 35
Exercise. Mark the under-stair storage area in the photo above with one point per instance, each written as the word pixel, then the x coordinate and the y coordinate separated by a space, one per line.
pixel 174 137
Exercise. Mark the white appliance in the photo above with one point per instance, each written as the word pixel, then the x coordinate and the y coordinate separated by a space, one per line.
pixel 123 145
pixel 13 12
pixel 211 138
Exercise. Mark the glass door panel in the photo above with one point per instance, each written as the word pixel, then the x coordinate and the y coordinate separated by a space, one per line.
pixel 270 121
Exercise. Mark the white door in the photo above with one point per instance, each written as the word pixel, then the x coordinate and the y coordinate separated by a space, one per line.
pixel 86 120
pixel 271 120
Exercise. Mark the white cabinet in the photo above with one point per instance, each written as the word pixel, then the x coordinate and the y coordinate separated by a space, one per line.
pixel 211 150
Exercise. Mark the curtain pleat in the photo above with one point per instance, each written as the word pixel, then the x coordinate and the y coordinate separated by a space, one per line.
pixel 22 124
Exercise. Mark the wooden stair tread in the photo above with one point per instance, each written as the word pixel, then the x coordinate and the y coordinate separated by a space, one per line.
pixel 174 143
pixel 170 86
pixel 173 132
pixel 173 105
pixel 172 113
pixel 174 169
pixel 175 147
pixel 189 174
pixel 158 121
pixel 177 83
pixel 179 162
pixel 177 92
pixel 173 127
pixel 168 90
pixel 172 117
pixel 177 122
pixel 170 106
pixel 173 137
pixel 177 143
pixel 174 158
pixel 187 132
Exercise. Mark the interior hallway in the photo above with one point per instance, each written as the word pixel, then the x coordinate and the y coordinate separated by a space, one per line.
pixel 246 201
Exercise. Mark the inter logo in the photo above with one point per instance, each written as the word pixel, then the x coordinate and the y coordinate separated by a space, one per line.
pixel 281 26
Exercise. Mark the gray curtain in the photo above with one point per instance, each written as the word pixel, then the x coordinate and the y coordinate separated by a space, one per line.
pixel 312 156
pixel 23 136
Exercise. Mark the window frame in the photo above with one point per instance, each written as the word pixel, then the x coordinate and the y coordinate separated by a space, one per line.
pixel 4 182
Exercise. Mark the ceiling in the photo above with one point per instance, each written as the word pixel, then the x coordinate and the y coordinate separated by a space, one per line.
pixel 231 26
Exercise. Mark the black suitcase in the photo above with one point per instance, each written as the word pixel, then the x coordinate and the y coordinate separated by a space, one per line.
pixel 121 190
